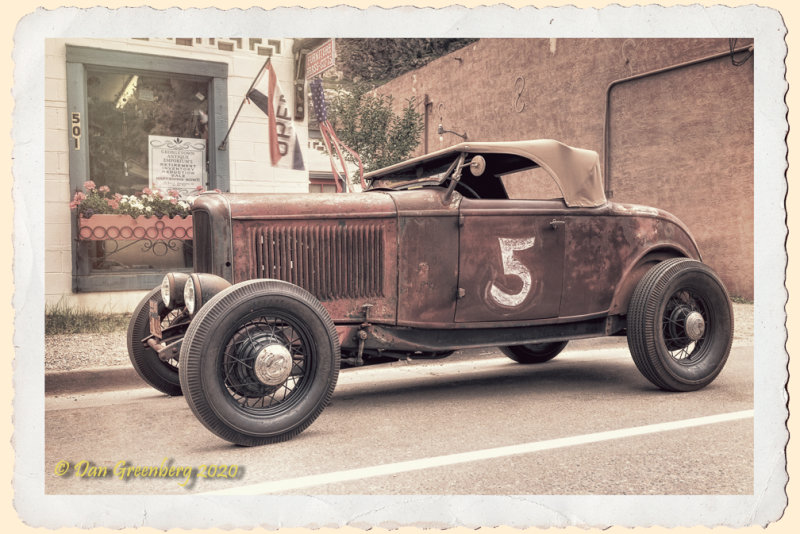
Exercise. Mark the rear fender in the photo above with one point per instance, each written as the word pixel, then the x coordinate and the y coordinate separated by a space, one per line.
pixel 635 272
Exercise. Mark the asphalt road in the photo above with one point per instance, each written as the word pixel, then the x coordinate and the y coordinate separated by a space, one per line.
pixel 478 423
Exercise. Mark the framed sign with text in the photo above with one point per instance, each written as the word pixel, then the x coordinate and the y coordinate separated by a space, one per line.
pixel 177 163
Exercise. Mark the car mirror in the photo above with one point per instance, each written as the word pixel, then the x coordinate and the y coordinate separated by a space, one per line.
pixel 477 166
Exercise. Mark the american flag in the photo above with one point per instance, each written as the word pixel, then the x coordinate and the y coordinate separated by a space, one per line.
pixel 332 142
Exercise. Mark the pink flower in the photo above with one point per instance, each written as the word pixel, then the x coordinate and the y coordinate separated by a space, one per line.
pixel 147 191
pixel 173 201
pixel 113 204
pixel 104 189
pixel 217 191
pixel 76 200
pixel 173 193
pixel 89 185
pixel 200 188
pixel 117 196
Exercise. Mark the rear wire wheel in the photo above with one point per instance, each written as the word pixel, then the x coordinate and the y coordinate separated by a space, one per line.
pixel 159 374
pixel 680 325
pixel 534 352
pixel 260 362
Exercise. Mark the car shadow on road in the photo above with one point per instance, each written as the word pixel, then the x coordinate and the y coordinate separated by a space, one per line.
pixel 588 379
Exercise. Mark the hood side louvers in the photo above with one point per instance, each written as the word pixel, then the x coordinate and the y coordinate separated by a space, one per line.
pixel 329 261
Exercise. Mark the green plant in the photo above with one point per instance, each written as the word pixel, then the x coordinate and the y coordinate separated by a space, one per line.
pixel 61 318
pixel 366 122
pixel 149 203
pixel 380 60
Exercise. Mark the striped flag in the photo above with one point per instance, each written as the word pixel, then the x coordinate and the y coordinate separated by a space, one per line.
pixel 266 94
pixel 332 142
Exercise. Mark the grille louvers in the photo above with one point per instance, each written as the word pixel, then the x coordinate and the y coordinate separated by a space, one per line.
pixel 201 230
pixel 331 262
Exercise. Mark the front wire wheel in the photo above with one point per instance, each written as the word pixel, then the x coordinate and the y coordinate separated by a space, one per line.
pixel 680 325
pixel 260 362
pixel 159 374
pixel 264 364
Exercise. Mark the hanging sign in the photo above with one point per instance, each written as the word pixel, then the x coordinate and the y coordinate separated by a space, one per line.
pixel 177 163
pixel 320 59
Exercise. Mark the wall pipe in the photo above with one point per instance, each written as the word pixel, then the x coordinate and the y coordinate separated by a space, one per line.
pixel 606 120
pixel 426 102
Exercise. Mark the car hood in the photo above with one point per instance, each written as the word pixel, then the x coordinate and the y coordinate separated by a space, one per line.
pixel 309 205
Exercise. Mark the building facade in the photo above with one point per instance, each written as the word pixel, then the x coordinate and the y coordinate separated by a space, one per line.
pixel 671 118
pixel 118 108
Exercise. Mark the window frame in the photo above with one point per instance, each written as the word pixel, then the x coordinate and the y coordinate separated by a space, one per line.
pixel 82 59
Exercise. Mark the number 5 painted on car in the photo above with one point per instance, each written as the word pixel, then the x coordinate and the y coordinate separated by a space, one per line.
pixel 512 267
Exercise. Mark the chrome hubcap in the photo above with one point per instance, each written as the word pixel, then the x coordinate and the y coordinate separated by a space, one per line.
pixel 273 365
pixel 695 326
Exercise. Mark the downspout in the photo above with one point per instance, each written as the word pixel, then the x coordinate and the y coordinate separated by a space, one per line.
pixel 606 122
pixel 426 102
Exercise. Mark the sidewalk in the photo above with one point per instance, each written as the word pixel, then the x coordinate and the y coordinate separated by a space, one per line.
pixel 83 363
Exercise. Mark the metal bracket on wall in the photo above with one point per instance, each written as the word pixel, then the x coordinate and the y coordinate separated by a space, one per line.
pixel 606 116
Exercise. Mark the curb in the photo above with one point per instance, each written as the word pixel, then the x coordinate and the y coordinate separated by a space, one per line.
pixel 92 380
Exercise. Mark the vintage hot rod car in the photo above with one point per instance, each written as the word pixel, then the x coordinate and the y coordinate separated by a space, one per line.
pixel 434 256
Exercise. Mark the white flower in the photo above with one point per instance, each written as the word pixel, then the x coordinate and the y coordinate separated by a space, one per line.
pixel 183 204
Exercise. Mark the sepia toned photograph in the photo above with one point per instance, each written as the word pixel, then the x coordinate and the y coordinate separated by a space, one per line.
pixel 487 279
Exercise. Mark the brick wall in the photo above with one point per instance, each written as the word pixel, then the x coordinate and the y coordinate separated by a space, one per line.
pixel 681 140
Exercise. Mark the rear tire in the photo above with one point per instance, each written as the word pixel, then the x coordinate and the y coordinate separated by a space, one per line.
pixel 259 362
pixel 680 325
pixel 534 352
pixel 161 375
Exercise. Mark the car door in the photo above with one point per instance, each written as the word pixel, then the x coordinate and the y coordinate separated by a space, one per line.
pixel 511 259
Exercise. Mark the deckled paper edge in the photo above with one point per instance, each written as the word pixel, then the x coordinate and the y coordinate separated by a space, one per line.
pixel 764 506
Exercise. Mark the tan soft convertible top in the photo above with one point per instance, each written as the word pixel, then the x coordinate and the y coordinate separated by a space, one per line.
pixel 576 171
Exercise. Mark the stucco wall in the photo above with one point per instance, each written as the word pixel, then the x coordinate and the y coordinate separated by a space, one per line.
pixel 681 141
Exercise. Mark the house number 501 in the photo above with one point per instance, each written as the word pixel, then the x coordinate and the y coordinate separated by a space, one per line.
pixel 75 128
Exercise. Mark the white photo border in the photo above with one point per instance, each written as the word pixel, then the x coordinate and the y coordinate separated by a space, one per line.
pixel 766 504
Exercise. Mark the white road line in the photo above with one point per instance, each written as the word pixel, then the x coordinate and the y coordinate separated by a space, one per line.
pixel 290 484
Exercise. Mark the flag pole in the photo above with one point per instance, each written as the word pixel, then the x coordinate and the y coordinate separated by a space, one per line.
pixel 224 144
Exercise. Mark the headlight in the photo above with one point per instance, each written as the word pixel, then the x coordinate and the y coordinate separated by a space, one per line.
pixel 165 291
pixel 172 289
pixel 188 295
pixel 200 288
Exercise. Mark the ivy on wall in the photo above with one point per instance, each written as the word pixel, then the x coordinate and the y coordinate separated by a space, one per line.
pixel 376 61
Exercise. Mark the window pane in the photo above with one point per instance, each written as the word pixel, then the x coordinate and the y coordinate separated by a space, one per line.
pixel 534 184
pixel 124 109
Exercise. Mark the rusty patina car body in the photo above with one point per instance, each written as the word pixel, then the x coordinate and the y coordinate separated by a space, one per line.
pixel 433 257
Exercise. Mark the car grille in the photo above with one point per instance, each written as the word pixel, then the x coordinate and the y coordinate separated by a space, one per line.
pixel 201 228
pixel 329 261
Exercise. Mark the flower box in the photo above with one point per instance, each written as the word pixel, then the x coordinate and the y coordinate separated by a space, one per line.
pixel 102 227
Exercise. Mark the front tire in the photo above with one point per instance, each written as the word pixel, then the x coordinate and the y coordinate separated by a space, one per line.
pixel 680 325
pixel 534 352
pixel 259 362
pixel 161 375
